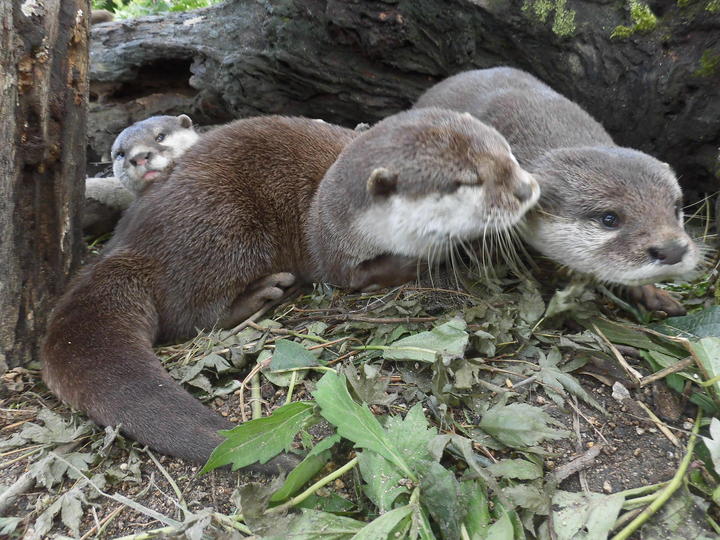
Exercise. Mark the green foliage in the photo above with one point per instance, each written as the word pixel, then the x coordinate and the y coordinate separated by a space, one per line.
pixel 644 21
pixel 262 439
pixel 564 21
pixel 709 61
pixel 126 9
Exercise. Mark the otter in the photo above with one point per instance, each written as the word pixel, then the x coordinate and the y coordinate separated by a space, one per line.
pixel 248 209
pixel 145 152
pixel 611 212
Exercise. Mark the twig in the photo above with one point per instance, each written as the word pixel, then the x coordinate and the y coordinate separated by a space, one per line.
pixel 256 397
pixel 291 387
pixel 660 425
pixel 678 366
pixel 668 491
pixel 178 493
pixel 103 523
pixel 578 464
pixel 634 374
pixel 241 391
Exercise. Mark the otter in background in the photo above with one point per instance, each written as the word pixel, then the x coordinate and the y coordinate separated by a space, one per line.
pixel 611 212
pixel 142 154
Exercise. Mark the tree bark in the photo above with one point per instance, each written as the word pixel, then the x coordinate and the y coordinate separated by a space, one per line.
pixel 349 61
pixel 43 113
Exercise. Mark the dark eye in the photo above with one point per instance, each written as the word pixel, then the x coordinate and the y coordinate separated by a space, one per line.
pixel 120 155
pixel 610 220
pixel 160 138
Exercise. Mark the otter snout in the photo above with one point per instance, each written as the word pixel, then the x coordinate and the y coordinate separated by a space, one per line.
pixel 669 253
pixel 140 159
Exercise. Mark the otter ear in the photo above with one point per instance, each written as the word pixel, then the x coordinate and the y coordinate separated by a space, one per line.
pixel 382 182
pixel 185 121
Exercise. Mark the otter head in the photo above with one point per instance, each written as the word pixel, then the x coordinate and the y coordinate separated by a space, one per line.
pixel 143 151
pixel 433 177
pixel 613 213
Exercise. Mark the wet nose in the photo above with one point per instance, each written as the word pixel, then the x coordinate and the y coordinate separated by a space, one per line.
pixel 670 253
pixel 140 159
pixel 523 191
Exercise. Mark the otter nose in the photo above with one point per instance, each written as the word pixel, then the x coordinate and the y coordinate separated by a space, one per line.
pixel 523 191
pixel 670 253
pixel 140 159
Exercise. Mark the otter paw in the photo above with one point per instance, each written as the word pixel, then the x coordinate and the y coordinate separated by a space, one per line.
pixel 655 299
pixel 267 289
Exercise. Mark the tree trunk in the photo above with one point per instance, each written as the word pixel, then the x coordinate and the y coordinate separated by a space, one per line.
pixel 653 78
pixel 43 110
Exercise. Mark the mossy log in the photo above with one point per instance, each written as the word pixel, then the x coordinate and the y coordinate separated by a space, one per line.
pixel 651 73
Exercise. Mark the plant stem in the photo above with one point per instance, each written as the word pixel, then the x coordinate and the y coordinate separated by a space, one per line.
pixel 668 491
pixel 317 485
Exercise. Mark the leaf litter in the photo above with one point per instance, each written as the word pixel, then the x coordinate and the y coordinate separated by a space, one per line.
pixel 421 413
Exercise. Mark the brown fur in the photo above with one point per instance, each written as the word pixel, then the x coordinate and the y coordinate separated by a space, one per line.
pixel 182 253
pixel 190 251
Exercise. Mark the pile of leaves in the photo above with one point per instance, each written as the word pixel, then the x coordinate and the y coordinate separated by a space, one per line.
pixel 418 413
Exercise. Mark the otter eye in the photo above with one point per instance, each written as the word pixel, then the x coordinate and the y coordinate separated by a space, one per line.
pixel 610 220
pixel 160 137
pixel 120 155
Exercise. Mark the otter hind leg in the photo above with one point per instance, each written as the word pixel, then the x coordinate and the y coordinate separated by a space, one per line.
pixel 257 294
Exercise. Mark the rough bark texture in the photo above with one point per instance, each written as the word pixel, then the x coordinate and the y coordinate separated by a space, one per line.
pixel 43 103
pixel 352 61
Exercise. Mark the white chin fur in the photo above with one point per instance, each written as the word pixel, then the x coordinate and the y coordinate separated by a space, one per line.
pixel 416 226
pixel 580 249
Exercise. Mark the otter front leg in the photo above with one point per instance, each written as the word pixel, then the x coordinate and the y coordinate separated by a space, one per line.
pixel 255 296
pixel 383 271
pixel 655 299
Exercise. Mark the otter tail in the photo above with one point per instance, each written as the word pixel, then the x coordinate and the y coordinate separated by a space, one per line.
pixel 98 358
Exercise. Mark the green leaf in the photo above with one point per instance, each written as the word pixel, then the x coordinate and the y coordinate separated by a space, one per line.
pixel 9 524
pixel 625 335
pixel 531 306
pixel 502 529
pixel 367 385
pixel 477 518
pixel 306 469
pixel 385 525
pixel 261 439
pixel 411 435
pixel 332 502
pixel 585 516
pixel 382 480
pixel 528 496
pixel 441 497
pixel 290 355
pixel 516 468
pixel 713 443
pixel 520 425
pixel 356 422
pixel 701 324
pixel 449 340
pixel 314 525
pixel 556 381
pixel 707 351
